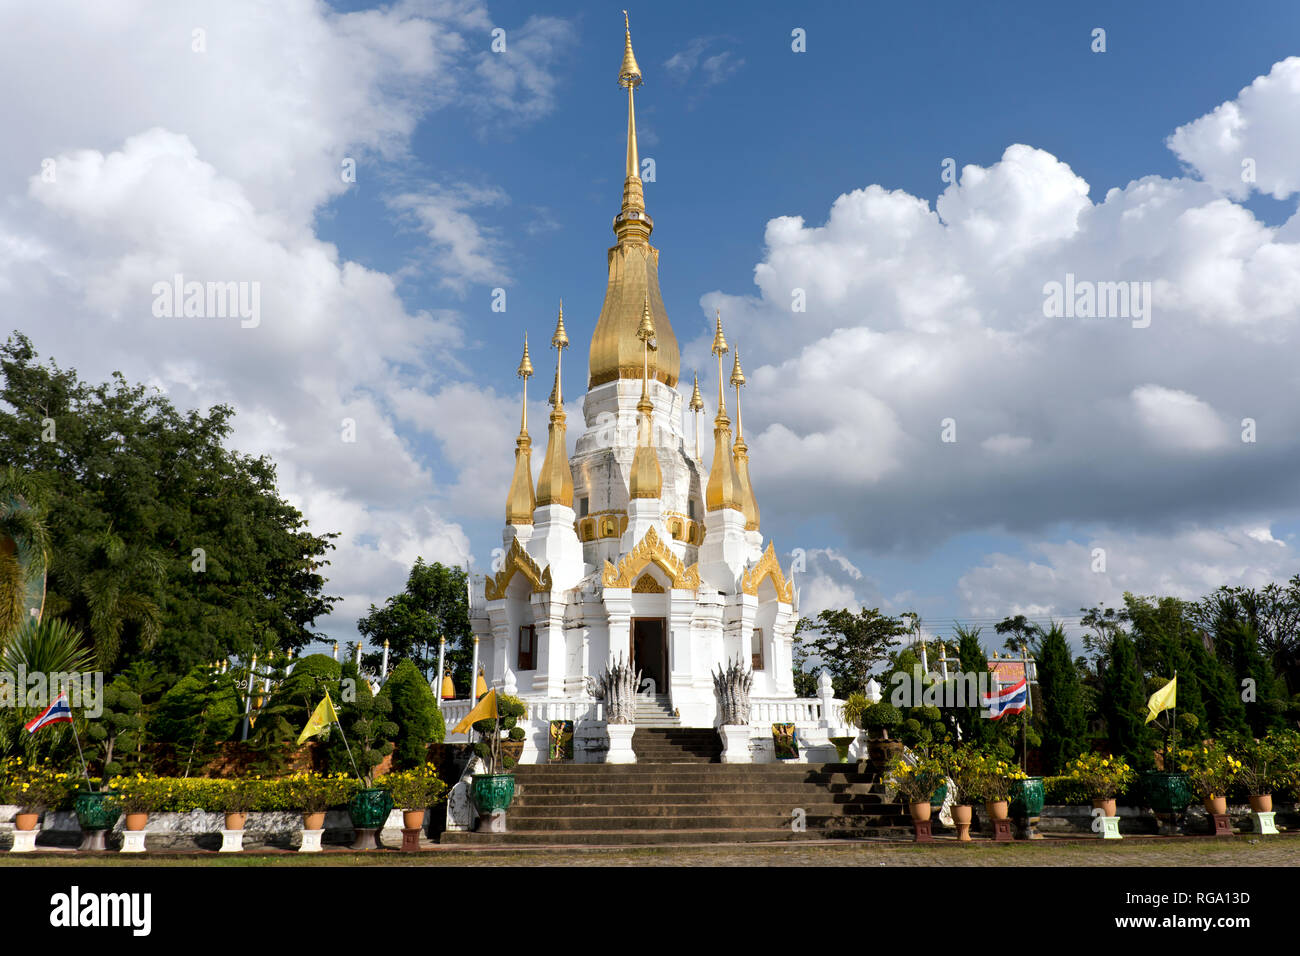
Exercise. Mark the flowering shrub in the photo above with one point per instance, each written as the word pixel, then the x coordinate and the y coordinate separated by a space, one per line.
pixel 414 789
pixel 989 778
pixel 1269 764
pixel 915 782
pixel 1101 777
pixel 34 787
pixel 1211 767
pixel 315 793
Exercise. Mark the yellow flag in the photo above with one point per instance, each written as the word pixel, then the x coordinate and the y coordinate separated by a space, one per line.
pixel 1163 699
pixel 484 709
pixel 321 718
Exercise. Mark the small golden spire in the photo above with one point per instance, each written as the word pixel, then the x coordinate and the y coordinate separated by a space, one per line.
pixel 646 480
pixel 555 481
pixel 646 330
pixel 697 406
pixel 521 500
pixel 723 489
pixel 525 369
pixel 560 340
pixel 740 454
pixel 629 73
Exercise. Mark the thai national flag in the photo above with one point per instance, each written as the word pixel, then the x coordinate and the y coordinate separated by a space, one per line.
pixel 1011 699
pixel 57 713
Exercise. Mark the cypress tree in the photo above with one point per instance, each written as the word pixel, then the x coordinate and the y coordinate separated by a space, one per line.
pixel 1124 704
pixel 1064 723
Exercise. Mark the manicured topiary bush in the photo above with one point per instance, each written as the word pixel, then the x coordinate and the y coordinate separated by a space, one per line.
pixel 415 712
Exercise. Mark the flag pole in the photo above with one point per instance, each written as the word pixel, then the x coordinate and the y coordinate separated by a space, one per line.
pixel 345 739
pixel 80 756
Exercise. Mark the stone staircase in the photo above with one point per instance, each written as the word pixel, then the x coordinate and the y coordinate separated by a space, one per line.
pixel 694 802
pixel 655 711
pixel 676 745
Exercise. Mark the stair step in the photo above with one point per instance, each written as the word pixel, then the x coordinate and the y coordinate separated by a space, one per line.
pixel 654 837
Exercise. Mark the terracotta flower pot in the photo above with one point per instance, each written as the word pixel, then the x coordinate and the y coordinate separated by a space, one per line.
pixel 26 821
pixel 412 819
pixel 1106 806
pixel 961 815
pixel 1261 803
pixel 136 821
pixel 996 809
pixel 1216 805
pixel 236 821
pixel 920 810
pixel 313 821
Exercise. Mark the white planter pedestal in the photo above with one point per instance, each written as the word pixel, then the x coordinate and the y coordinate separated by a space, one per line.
pixel 1110 828
pixel 133 841
pixel 620 743
pixel 232 841
pixel 735 743
pixel 24 841
pixel 311 841
pixel 1263 824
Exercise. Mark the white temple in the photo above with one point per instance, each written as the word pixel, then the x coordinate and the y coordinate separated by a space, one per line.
pixel 634 547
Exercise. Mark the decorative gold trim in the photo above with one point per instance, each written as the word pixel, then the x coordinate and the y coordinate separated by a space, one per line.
pixel 517 559
pixel 645 584
pixel 768 566
pixel 650 550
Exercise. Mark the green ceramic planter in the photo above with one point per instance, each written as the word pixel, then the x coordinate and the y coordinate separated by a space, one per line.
pixel 1028 797
pixel 1166 791
pixel 492 791
pixel 369 808
pixel 940 795
pixel 841 745
pixel 96 809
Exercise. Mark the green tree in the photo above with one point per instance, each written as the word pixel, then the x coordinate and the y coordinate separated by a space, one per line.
pixel 415 713
pixel 805 680
pixel 24 547
pixel 972 658
pixel 434 605
pixel 370 733
pixel 163 543
pixel 198 714
pixel 1124 704
pixel 1063 722
pixel 850 645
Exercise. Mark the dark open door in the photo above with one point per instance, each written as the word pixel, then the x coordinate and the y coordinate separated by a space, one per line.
pixel 650 651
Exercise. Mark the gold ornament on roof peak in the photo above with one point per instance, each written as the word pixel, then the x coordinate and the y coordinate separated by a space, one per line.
pixel 560 340
pixel 525 369
pixel 719 340
pixel 646 330
pixel 629 74
pixel 737 373
pixel 697 402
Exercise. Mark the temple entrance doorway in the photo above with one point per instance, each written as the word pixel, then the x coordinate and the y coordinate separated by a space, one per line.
pixel 650 651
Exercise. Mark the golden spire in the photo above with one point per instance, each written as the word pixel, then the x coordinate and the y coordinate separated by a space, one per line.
pixel 723 490
pixel 697 406
pixel 633 269
pixel 646 480
pixel 520 503
pixel 740 453
pixel 555 483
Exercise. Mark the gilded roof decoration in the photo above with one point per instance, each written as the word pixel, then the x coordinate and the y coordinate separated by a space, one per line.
pixel 650 549
pixel 518 560
pixel 768 567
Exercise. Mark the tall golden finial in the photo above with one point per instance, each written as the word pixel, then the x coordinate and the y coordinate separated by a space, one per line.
pixel 646 480
pixel 629 73
pixel 555 482
pixel 723 489
pixel 697 406
pixel 738 381
pixel 740 454
pixel 521 500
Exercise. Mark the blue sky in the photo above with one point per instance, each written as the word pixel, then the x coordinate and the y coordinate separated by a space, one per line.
pixel 477 170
